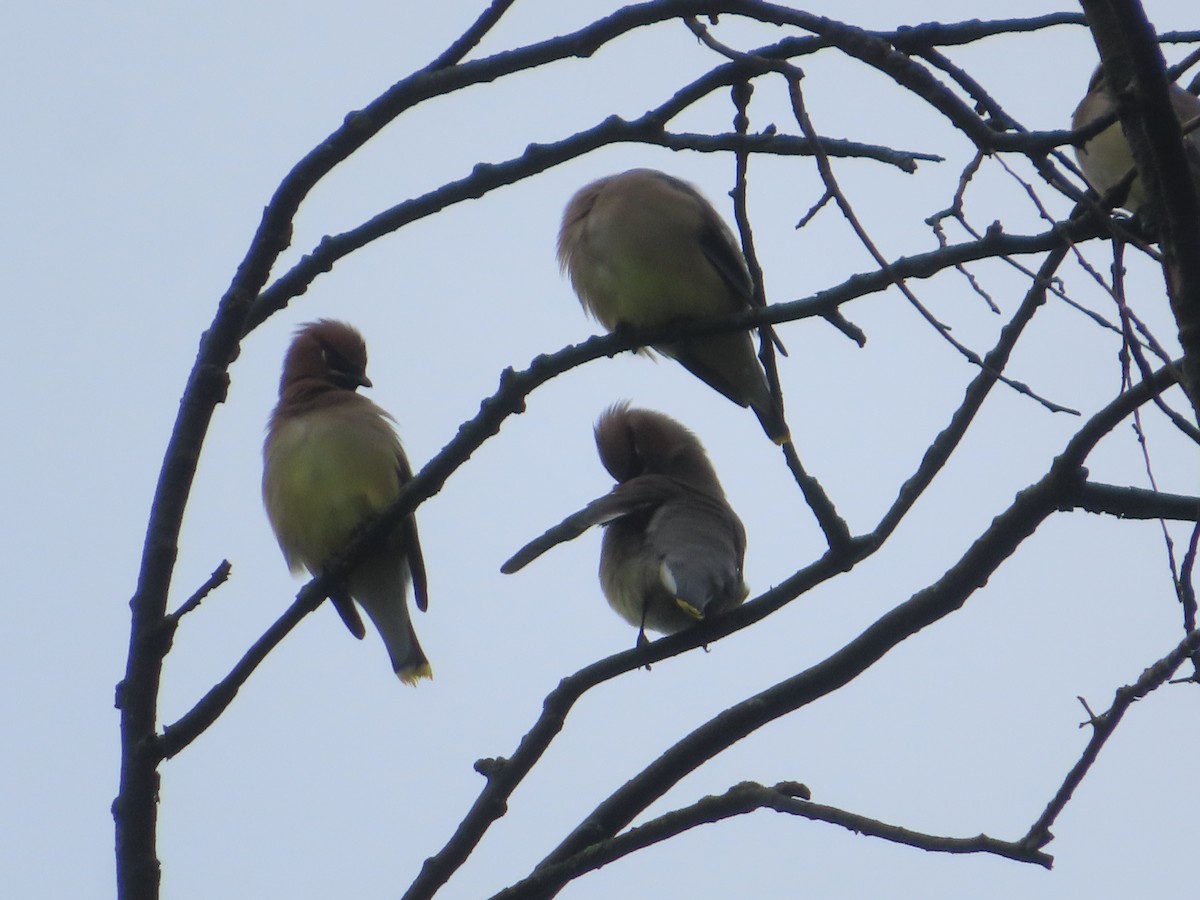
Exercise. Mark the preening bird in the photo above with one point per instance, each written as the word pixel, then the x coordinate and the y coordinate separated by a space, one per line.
pixel 673 548
pixel 644 249
pixel 1106 159
pixel 331 464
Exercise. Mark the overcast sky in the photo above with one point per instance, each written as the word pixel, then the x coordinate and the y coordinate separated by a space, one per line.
pixel 143 140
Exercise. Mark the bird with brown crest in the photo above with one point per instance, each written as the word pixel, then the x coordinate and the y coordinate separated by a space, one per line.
pixel 331 463
pixel 645 249
pixel 673 548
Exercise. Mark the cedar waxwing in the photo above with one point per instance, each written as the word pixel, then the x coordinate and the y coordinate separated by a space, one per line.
pixel 672 550
pixel 332 463
pixel 645 249
pixel 1106 159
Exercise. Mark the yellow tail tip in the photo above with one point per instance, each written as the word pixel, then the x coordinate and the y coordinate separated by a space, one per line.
pixel 697 614
pixel 413 675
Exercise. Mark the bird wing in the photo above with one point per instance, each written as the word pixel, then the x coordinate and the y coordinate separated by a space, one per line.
pixel 349 613
pixel 411 543
pixel 638 494
pixel 717 242
pixel 723 254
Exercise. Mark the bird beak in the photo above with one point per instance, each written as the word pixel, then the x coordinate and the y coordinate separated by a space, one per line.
pixel 350 381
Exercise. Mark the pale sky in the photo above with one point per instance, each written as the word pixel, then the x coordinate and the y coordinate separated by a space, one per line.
pixel 143 141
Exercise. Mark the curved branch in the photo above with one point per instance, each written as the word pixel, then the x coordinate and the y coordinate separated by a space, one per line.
pixel 786 797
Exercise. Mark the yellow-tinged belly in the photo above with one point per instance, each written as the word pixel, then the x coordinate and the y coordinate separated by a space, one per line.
pixel 1107 159
pixel 323 482
pixel 646 275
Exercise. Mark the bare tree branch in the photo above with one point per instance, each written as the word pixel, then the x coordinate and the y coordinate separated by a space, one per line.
pixel 219 576
pixel 786 797
pixel 1133 503
pixel 1102 728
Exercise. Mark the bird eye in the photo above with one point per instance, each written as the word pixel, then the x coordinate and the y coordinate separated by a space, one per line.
pixel 337 362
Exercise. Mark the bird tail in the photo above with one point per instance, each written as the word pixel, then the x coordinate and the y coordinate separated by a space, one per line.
pixel 408 659
pixel 727 364
pixel 380 590
pixel 768 410
pixel 771 418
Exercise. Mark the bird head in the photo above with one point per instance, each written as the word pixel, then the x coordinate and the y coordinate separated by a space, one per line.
pixel 325 354
pixel 633 442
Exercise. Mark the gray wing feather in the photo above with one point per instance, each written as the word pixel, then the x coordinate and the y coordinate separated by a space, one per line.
pixel 640 493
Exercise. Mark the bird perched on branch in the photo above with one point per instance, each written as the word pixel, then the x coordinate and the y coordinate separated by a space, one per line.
pixel 644 249
pixel 1106 159
pixel 673 548
pixel 331 464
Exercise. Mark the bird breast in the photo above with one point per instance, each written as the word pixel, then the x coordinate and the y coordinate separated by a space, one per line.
pixel 632 267
pixel 326 479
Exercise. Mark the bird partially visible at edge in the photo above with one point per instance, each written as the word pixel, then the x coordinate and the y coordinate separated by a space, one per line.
pixel 1106 159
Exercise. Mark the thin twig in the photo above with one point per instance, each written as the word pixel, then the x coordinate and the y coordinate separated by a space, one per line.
pixel 472 36
pixel 847 210
pixel 219 576
pixel 1155 676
